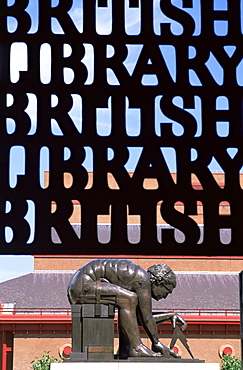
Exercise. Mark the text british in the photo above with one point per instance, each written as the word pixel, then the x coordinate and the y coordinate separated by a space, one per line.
pixel 170 82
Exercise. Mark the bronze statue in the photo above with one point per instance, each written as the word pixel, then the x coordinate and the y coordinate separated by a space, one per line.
pixel 129 287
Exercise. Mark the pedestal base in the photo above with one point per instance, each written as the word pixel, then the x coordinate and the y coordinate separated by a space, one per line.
pixel 139 364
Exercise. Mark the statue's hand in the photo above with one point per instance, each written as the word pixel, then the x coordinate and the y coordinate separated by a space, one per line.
pixel 165 351
pixel 177 318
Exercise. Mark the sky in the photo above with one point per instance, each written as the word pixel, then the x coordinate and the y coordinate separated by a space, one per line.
pixel 12 266
pixel 15 266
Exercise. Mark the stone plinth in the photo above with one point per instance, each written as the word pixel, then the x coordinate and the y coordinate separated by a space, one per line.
pixel 135 365
pixel 92 332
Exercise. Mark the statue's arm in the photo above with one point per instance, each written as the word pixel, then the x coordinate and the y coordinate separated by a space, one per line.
pixel 146 317
pixel 149 324
pixel 142 287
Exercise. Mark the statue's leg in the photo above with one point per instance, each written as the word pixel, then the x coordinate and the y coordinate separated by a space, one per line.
pixel 124 345
pixel 130 340
pixel 126 301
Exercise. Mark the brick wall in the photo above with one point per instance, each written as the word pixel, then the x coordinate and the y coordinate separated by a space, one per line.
pixel 71 263
pixel 27 347
pixel 206 348
pixel 149 184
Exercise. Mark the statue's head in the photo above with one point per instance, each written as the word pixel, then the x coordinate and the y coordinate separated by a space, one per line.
pixel 163 280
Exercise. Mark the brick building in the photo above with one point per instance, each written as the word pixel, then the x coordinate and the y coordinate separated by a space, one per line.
pixel 35 313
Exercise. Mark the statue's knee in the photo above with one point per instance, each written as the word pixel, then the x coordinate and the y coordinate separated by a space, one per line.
pixel 127 301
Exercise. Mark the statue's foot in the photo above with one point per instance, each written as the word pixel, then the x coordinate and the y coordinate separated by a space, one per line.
pixel 142 351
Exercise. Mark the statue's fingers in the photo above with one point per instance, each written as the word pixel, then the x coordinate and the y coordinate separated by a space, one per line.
pixel 174 319
pixel 182 322
pixel 184 326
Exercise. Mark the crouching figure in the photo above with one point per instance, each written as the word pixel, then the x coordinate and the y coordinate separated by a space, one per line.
pixel 130 288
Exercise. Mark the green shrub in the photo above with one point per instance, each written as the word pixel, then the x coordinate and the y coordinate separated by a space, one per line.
pixel 43 362
pixel 229 362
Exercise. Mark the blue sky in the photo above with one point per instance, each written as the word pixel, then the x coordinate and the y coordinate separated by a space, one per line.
pixel 11 266
pixel 14 266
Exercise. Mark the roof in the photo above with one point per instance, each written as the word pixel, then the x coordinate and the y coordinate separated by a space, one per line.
pixel 207 291
pixel 134 230
pixel 193 291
